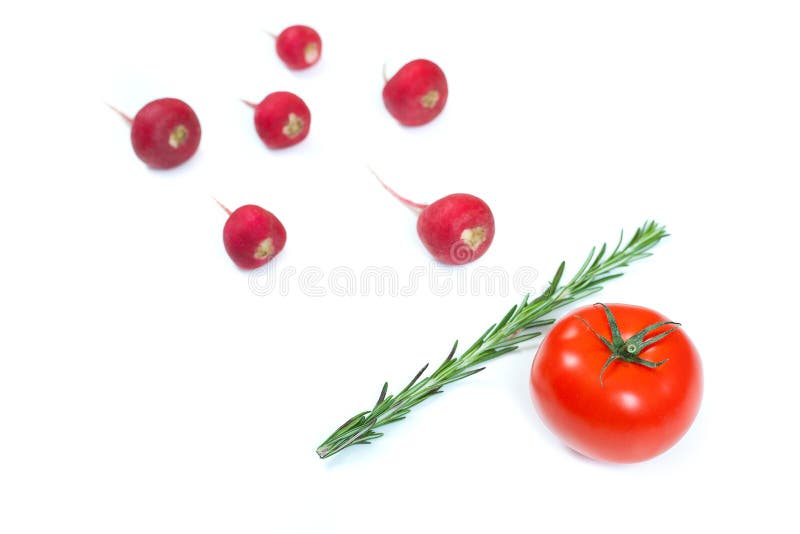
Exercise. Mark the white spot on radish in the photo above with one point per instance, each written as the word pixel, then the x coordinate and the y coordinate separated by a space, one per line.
pixel 473 237
pixel 264 250
pixel 293 126
pixel 311 53
pixel 178 136
pixel 430 99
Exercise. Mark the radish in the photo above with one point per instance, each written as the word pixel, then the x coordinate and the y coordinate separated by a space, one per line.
pixel 298 46
pixel 416 94
pixel 164 133
pixel 456 229
pixel 252 236
pixel 282 119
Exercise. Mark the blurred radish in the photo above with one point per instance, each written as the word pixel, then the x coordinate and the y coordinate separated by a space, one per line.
pixel 298 46
pixel 252 236
pixel 416 94
pixel 164 133
pixel 282 119
pixel 456 229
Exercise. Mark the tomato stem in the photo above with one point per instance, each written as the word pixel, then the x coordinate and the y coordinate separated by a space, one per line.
pixel 629 350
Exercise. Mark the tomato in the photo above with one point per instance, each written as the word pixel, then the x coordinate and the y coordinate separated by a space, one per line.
pixel 619 409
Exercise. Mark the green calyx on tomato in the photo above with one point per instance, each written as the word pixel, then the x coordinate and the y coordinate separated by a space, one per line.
pixel 628 350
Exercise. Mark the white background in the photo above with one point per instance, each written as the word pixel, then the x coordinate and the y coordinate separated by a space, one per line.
pixel 144 387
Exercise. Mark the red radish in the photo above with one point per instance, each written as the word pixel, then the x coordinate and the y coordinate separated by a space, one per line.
pixel 456 229
pixel 298 46
pixel 417 93
pixel 252 236
pixel 164 133
pixel 282 119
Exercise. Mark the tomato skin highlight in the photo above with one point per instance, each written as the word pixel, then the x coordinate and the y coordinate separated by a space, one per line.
pixel 636 413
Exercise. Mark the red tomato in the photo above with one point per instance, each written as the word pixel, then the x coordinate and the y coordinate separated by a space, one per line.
pixel 634 411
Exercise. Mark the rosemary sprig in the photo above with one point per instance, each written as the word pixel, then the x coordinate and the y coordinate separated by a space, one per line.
pixel 522 323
